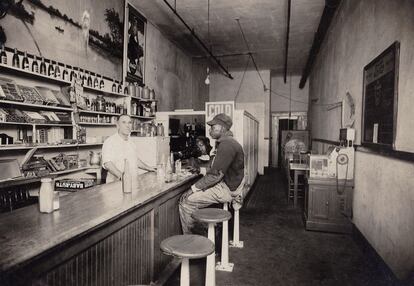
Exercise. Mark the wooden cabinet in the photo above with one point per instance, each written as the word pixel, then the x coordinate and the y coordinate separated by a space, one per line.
pixel 328 205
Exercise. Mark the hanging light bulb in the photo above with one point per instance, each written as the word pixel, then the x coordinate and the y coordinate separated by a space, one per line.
pixel 207 81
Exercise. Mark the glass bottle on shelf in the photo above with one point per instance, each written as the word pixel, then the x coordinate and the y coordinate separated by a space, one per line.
pixel 80 75
pixel 120 87
pixel 50 70
pixel 153 108
pixel 65 73
pixel 96 82
pixel 89 82
pixel 3 56
pixel 57 70
pixel 125 107
pixel 16 61
pixel 126 90
pixel 113 86
pixel 72 75
pixel 102 83
pixel 25 62
pixel 43 66
pixel 134 109
pixel 35 65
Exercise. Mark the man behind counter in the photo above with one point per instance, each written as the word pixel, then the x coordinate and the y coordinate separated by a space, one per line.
pixel 119 147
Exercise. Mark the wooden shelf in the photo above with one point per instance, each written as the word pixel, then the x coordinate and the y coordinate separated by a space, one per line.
pixel 40 106
pixel 98 112
pixel 33 74
pixel 142 117
pixel 97 124
pixel 68 171
pixel 39 124
pixel 24 147
pixel 143 99
pixel 88 88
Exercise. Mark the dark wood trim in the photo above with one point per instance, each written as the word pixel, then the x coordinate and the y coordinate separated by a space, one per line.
pixel 386 152
pixel 324 24
pixel 376 149
pixel 325 141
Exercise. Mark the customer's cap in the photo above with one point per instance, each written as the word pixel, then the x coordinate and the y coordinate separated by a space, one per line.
pixel 221 119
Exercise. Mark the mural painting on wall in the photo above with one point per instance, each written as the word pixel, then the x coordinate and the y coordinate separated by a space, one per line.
pixel 82 33
pixel 135 46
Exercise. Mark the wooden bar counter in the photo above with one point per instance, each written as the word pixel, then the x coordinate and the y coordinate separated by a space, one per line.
pixel 99 236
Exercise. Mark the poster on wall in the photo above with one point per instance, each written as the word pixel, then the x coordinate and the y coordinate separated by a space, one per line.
pixel 380 99
pixel 135 46
pixel 87 34
pixel 216 107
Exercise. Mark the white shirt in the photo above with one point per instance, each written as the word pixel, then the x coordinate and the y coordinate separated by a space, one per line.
pixel 116 149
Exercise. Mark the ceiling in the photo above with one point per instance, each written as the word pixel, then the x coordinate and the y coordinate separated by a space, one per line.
pixel 263 22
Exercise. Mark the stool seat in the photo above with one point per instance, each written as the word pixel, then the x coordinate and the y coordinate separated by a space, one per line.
pixel 211 215
pixel 187 246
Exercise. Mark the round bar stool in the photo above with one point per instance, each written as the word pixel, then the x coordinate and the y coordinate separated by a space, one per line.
pixel 187 246
pixel 212 216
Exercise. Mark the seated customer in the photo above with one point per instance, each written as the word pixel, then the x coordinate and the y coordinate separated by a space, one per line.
pixel 223 178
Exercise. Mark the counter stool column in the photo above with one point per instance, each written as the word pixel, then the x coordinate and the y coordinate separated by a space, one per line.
pixel 224 264
pixel 211 216
pixel 186 247
pixel 236 243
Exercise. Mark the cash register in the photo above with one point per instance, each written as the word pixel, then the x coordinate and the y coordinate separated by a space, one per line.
pixel 338 162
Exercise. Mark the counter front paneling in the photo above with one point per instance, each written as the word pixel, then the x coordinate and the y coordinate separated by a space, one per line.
pixel 99 236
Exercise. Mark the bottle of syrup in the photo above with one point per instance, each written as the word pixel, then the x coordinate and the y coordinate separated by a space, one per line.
pixel 89 80
pixel 51 69
pixel 114 86
pixel 16 60
pixel 102 83
pixel 96 82
pixel 57 70
pixel 3 56
pixel 35 65
pixel 65 73
pixel 43 66
pixel 25 62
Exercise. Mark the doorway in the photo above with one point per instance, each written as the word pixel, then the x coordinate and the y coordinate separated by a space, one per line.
pixel 282 121
pixel 284 124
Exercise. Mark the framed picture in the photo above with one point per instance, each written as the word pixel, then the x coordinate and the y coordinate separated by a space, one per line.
pixel 134 58
pixel 380 99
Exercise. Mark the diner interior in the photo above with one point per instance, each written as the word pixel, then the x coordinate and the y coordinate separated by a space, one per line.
pixel 319 94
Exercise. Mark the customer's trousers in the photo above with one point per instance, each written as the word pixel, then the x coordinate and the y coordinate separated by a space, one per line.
pixel 192 201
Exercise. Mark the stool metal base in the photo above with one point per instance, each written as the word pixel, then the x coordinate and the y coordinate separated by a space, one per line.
pixel 236 244
pixel 222 267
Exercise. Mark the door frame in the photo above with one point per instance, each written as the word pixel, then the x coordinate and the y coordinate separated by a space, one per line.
pixel 276 116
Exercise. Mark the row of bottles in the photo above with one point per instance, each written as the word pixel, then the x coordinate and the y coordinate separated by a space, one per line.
pixel 97 119
pixel 147 129
pixel 53 69
pixel 61 71
pixel 169 170
pixel 103 105
pixel 146 109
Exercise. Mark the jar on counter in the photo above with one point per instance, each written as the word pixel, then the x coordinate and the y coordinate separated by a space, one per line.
pixel 46 195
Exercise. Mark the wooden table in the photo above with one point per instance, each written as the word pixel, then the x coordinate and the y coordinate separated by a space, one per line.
pixel 99 236
pixel 298 169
